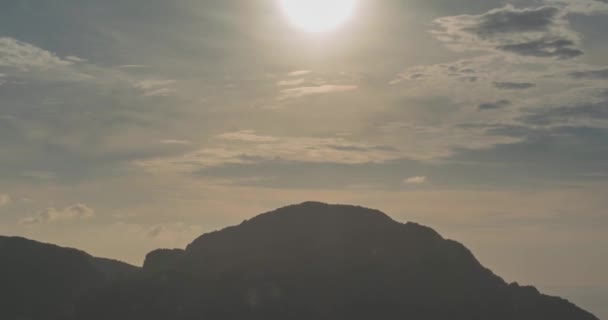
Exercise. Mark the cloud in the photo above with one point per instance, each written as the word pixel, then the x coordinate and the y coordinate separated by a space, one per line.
pixel 494 105
pixel 453 119
pixel 155 231
pixel 249 147
pixel 133 66
pixel 289 83
pixel 534 32
pixel 74 59
pixel 582 114
pixel 467 71
pixel 51 215
pixel 153 83
pixel 247 136
pixel 591 74
pixel 514 85
pixel 161 92
pixel 56 124
pixel 542 151
pixel 587 7
pixel 156 87
pixel 298 73
pixel 415 180
pixel 511 20
pixel 5 199
pixel 307 91
pixel 175 142
pixel 39 175
pixel 546 47
pixel 21 55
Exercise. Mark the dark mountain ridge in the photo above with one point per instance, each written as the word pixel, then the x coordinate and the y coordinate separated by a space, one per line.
pixel 317 261
pixel 44 281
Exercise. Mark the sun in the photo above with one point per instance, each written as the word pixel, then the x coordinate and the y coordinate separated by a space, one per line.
pixel 318 15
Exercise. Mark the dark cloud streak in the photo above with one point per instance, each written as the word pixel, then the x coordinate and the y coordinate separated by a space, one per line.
pixel 543 48
pixel 510 20
pixel 591 74
pixel 564 114
pixel 514 85
pixel 500 104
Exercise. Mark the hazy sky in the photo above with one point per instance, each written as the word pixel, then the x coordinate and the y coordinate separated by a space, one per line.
pixel 128 125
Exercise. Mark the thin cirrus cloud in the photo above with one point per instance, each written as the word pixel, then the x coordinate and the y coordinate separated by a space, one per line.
pixel 247 136
pixel 156 87
pixel 298 73
pixel 300 92
pixel 249 147
pixel 175 142
pixel 415 180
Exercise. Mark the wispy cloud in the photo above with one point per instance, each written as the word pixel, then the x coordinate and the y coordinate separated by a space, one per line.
pixel 133 66
pixel 176 141
pixel 290 82
pixel 300 92
pixel 156 87
pixel 247 136
pixel 298 73
pixel 173 231
pixel 160 92
pixel 21 55
pixel 415 180
pixel 52 215
pixel 39 175
pixel 247 147
pixel 587 7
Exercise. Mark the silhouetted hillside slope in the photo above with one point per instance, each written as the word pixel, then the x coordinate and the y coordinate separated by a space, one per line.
pixel 318 261
pixel 163 259
pixel 43 281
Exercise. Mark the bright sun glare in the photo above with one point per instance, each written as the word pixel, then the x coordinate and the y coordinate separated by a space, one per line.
pixel 318 15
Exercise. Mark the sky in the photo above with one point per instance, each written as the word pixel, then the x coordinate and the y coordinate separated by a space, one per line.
pixel 131 125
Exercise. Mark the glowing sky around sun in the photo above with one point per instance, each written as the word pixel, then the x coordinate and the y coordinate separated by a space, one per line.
pixel 318 15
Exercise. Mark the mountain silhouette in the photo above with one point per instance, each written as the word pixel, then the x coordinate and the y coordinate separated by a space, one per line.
pixel 43 281
pixel 319 261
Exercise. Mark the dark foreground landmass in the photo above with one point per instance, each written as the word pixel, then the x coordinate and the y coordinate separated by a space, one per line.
pixel 308 261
